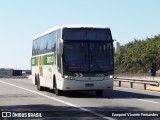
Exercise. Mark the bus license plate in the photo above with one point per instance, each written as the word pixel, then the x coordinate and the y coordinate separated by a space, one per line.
pixel 89 84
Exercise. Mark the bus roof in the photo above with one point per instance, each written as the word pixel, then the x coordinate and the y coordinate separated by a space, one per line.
pixel 69 26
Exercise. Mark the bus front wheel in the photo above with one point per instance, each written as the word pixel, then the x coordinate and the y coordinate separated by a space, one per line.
pixel 56 90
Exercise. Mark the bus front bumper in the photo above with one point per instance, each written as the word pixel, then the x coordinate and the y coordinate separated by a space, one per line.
pixel 86 85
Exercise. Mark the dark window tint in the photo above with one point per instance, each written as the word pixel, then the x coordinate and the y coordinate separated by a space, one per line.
pixel 75 56
pixel 88 56
pixel 86 34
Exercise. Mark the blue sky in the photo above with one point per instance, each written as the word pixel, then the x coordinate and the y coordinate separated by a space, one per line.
pixel 21 20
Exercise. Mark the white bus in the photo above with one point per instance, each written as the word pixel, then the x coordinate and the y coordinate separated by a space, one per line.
pixel 73 57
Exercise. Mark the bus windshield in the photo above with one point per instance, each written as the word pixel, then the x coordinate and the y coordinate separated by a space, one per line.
pixel 88 56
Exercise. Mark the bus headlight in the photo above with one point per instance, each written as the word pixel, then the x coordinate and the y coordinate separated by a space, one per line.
pixel 108 77
pixel 65 76
pixel 111 76
pixel 69 77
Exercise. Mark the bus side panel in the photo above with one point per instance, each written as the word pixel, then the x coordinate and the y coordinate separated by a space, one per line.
pixel 49 72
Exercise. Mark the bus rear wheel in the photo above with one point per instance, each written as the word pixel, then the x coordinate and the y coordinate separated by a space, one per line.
pixel 39 87
pixel 99 93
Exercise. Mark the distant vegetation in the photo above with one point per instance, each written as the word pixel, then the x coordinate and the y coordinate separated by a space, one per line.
pixel 138 55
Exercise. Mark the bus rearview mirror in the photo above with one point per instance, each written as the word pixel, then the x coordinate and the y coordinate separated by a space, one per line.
pixel 117 47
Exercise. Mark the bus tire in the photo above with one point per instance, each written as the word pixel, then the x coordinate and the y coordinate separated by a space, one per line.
pixel 56 90
pixel 99 93
pixel 39 87
pixel 35 80
pixel 54 82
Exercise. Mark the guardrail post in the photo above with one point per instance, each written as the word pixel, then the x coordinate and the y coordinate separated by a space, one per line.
pixel 144 86
pixel 131 84
pixel 119 83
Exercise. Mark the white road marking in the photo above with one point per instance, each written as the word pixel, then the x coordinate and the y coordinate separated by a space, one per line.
pixel 58 100
pixel 146 100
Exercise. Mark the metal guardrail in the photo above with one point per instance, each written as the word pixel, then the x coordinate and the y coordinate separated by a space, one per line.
pixel 141 75
pixel 145 82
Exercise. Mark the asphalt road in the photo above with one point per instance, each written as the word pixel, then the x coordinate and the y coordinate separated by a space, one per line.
pixel 20 96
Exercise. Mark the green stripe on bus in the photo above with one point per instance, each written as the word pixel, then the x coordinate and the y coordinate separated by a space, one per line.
pixel 34 61
pixel 48 59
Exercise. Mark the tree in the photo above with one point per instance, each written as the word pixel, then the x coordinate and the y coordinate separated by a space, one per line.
pixel 137 56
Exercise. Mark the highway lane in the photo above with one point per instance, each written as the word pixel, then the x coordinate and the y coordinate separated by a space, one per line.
pixel 120 99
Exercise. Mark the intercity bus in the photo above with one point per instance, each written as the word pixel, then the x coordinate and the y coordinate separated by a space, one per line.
pixel 73 57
